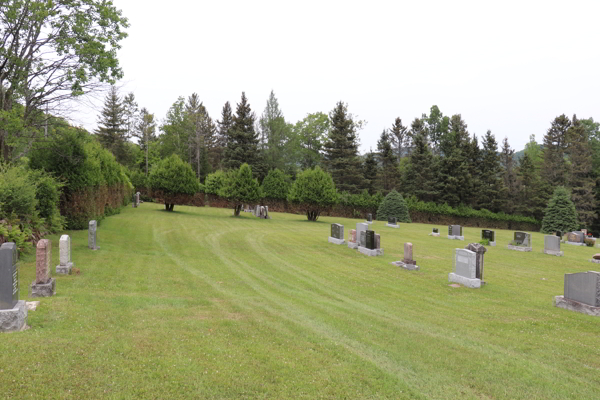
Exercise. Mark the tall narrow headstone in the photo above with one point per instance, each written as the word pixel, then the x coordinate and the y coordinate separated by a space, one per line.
pixel 13 312
pixel 479 251
pixel 64 247
pixel 44 284
pixel 361 227
pixel 133 201
pixel 353 239
pixel 92 235
pixel 377 241
pixel 581 293
pixel 370 240
pixel 552 245
pixel 137 199
pixel 465 269
pixel 407 262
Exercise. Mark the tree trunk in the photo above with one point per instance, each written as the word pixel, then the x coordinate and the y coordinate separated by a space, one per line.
pixel 166 206
pixel 236 210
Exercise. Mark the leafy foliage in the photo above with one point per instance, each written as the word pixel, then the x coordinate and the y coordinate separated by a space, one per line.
pixel 560 215
pixel 393 205
pixel 240 187
pixel 173 177
pixel 214 182
pixel 276 185
pixel 315 190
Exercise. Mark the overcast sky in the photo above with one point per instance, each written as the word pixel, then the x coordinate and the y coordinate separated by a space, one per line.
pixel 507 66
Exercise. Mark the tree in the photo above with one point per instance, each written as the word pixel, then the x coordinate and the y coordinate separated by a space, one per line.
pixel 509 175
pixel 341 150
pixel 581 176
pixel 50 53
pixel 131 114
pixel 419 175
pixel 554 168
pixel 173 177
pixel 370 172
pixel 276 185
pixel 388 161
pixel 399 134
pixel 560 215
pixel 393 205
pixel 437 126
pixel 242 141
pixel 531 199
pixel 175 137
pixel 274 134
pixel 112 126
pixel 311 133
pixel 224 125
pixel 492 191
pixel 314 190
pixel 145 132
pixel 240 187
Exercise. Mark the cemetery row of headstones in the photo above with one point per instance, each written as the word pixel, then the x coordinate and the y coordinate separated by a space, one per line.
pixel 362 238
pixel 13 312
pixel 261 212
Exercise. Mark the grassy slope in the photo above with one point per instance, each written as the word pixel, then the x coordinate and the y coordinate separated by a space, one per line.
pixel 197 304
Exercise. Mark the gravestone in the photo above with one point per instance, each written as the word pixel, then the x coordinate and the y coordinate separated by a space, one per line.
pixel 377 241
pixel 92 235
pixel 521 242
pixel 262 212
pixel 479 251
pixel 435 232
pixel 407 262
pixel 337 234
pixel 370 240
pixel 581 293
pixel 559 234
pixel 133 202
pixel 44 284
pixel 489 235
pixel 362 242
pixel 257 211
pixel 455 232
pixel 392 222
pixel 137 199
pixel 368 243
pixel 352 239
pixel 465 269
pixel 267 213
pixel 360 227
pixel 576 238
pixel 13 312
pixel 369 218
pixel 64 248
pixel 552 245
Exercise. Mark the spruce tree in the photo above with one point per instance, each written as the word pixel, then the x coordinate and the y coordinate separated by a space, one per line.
pixel 222 136
pixel 419 174
pixel 492 190
pixel 581 178
pixel 112 126
pixel 341 151
pixel 393 205
pixel 531 199
pixel 507 160
pixel 560 214
pixel 473 155
pixel 370 171
pixel 554 167
pixel 388 162
pixel 399 134
pixel 242 141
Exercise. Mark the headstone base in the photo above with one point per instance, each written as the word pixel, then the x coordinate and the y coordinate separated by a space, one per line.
pixel 336 241
pixel 392 226
pixel 94 248
pixel 43 289
pixel 557 253
pixel 572 305
pixel 15 319
pixel 595 261
pixel 64 269
pixel 518 248
pixel 352 245
pixel 368 222
pixel 468 282
pixel 493 244
pixel 456 237
pixel 369 252
pixel 410 267
pixel 434 234
pixel 575 243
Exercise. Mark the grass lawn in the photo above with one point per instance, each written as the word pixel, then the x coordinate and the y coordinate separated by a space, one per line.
pixel 196 304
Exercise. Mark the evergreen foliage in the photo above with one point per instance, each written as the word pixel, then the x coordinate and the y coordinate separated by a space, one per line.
pixel 509 176
pixel 172 176
pixel 492 192
pixel 112 127
pixel 419 175
pixel 530 200
pixel 554 168
pixel 315 190
pixel 399 137
pixel 240 187
pixel 560 215
pixel 341 151
pixel 370 172
pixel 393 205
pixel 388 162
pixel 214 182
pixel 276 185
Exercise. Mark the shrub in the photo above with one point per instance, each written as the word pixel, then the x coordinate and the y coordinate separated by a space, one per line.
pixel 276 185
pixel 17 195
pixel 589 242
pixel 172 177
pixel 240 187
pixel 560 214
pixel 314 189
pixel 393 206
pixel 214 182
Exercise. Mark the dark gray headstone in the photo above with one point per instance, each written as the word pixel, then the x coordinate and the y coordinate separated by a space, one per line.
pixel 337 231
pixel 436 230
pixel 522 239
pixel 489 235
pixel 559 234
pixel 449 230
pixel 583 287
pixel 455 230
pixel 363 239
pixel 392 220
pixel 92 235
pixel 370 217
pixel 9 276
pixel 370 240
pixel 479 251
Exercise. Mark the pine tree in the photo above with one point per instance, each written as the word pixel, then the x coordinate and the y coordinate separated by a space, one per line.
pixel 388 162
pixel 437 126
pixel 341 151
pixel 560 215
pixel 531 199
pixel 492 191
pixel 393 205
pixel 454 179
pixel 399 134
pixel 554 168
pixel 419 174
pixel 242 141
pixel 370 171
pixel 507 160
pixel 274 134
pixel 145 132
pixel 473 156
pixel 195 114
pixel 112 127
pixel 222 136
pixel 581 178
